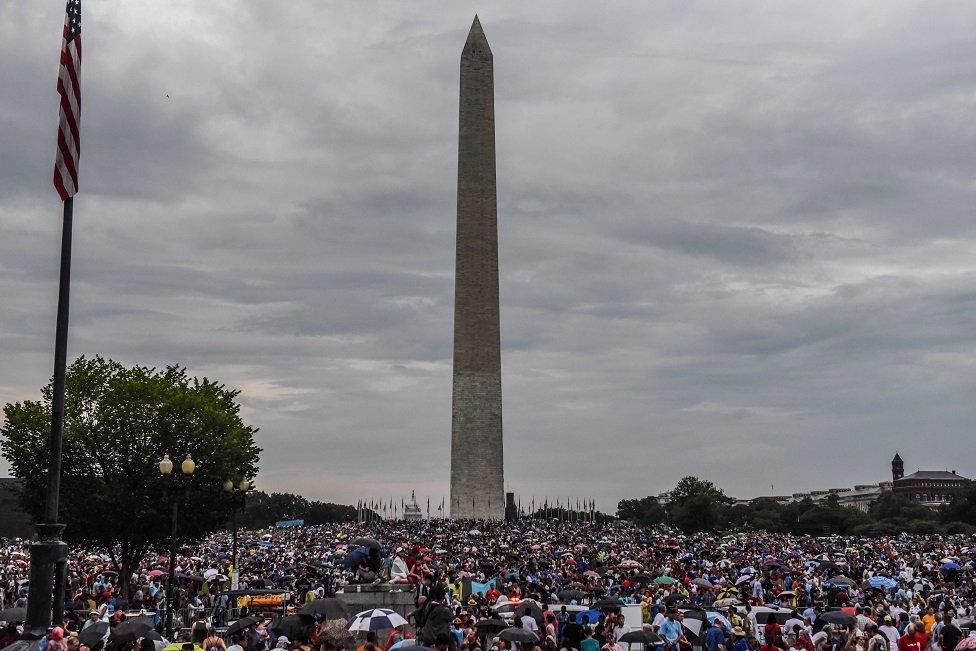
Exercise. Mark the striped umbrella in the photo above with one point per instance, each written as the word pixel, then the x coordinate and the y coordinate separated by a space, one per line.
pixel 376 619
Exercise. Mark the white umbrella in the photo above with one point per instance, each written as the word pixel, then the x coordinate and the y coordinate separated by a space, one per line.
pixel 376 619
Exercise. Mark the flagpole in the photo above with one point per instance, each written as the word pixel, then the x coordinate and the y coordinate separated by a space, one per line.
pixel 48 556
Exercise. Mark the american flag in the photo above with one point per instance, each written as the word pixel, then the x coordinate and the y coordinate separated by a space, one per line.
pixel 69 88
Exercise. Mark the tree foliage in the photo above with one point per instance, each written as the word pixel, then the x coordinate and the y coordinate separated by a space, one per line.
pixel 697 505
pixel 262 510
pixel 119 422
pixel 646 511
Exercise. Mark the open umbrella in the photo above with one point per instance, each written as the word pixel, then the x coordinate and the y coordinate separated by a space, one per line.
pixel 521 635
pixel 703 583
pixel 607 603
pixel 838 618
pixel 665 580
pixel 23 645
pixel 327 608
pixel 532 609
pixel 882 582
pixel 641 637
pixel 591 616
pixel 241 624
pixel 93 634
pixel 294 627
pixel 712 616
pixel 131 630
pixel 491 625
pixel 13 614
pixel 951 566
pixel 966 643
pixel 375 619
pixel 371 543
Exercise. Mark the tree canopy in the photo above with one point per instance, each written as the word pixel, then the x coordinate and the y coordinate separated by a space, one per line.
pixel 263 510
pixel 698 505
pixel 119 422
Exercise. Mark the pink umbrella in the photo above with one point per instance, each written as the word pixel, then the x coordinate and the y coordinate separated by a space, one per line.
pixel 155 573
pixel 968 642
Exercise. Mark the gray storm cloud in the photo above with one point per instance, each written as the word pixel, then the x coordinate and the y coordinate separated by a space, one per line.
pixel 736 240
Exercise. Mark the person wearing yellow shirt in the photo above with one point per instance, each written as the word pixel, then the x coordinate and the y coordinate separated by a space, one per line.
pixel 928 619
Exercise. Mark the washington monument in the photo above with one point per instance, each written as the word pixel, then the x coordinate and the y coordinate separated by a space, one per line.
pixel 477 473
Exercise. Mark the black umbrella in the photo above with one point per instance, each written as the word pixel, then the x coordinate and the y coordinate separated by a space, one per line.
pixel 522 635
pixel 491 625
pixel 13 614
pixel 93 634
pixel 22 645
pixel 641 637
pixel 294 627
pixel 241 624
pixel 694 621
pixel 327 608
pixel 531 609
pixel 829 568
pixel 131 630
pixel 372 543
pixel 838 618
pixel 607 603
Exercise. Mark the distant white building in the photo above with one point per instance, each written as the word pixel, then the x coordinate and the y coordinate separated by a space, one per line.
pixel 412 510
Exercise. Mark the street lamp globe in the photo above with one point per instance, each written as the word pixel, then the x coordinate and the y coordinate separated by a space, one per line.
pixel 188 465
pixel 165 466
pixel 228 486
pixel 245 485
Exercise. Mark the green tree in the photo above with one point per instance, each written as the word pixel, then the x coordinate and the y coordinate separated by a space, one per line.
pixel 697 505
pixel 119 422
pixel 645 512
pixel 262 510
pixel 828 516
pixel 962 506
pixel 899 508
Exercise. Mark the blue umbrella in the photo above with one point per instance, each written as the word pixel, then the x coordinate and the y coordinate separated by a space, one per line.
pixel 882 582
pixel 594 616
pixel 712 616
pixel 949 567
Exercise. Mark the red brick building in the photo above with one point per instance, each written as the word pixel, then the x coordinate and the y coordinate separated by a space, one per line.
pixel 932 488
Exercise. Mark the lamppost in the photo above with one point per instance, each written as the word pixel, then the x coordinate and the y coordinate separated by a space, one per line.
pixel 166 469
pixel 238 498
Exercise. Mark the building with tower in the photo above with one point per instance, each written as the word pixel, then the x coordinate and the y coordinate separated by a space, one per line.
pixel 411 510
pixel 933 488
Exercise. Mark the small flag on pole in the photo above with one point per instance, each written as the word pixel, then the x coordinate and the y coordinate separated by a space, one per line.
pixel 69 88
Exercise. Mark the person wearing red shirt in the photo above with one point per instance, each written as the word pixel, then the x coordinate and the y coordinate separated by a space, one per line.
pixel 912 640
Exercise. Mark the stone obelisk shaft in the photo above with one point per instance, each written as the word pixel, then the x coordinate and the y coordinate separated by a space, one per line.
pixel 477 474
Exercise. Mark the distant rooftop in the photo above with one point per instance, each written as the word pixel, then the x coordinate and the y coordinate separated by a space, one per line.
pixel 936 475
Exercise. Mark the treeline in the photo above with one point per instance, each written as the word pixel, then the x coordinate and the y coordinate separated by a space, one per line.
pixel 262 510
pixel 698 505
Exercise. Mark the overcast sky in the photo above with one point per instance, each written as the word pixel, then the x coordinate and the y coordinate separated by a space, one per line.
pixel 737 239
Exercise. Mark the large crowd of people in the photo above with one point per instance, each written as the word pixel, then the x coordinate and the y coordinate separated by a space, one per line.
pixel 560 586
